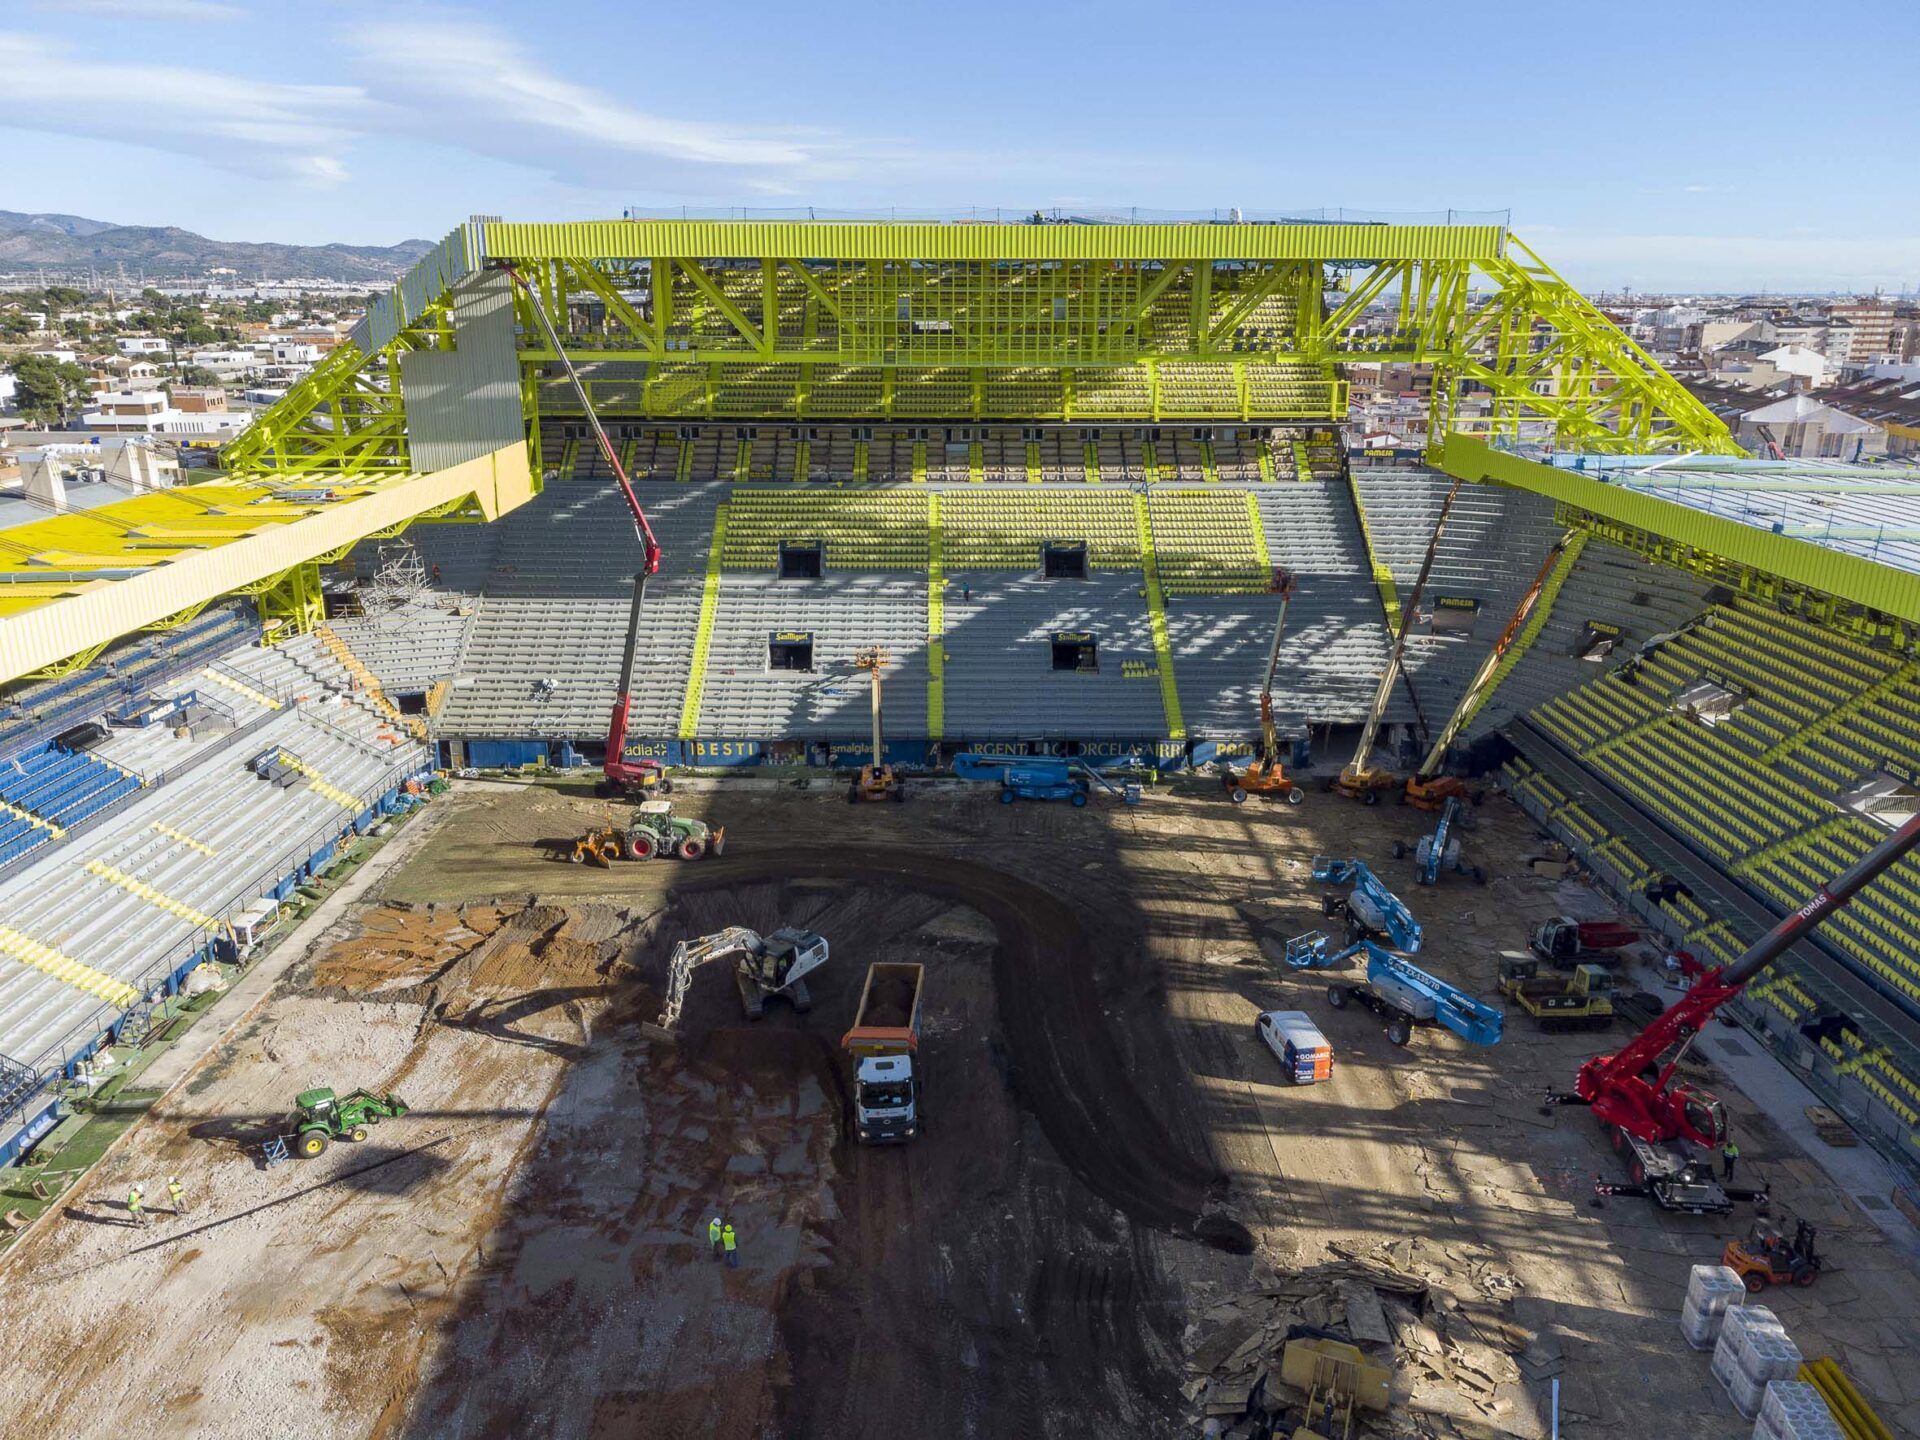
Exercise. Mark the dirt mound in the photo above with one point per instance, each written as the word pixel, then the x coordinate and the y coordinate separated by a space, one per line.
pixel 404 945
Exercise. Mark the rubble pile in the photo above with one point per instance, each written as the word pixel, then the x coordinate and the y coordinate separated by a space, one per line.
pixel 1449 1356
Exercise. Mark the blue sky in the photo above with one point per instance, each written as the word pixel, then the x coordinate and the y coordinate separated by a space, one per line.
pixel 1690 144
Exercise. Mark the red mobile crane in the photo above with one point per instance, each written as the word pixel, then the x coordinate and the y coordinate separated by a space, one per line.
pixel 1667 1130
pixel 619 775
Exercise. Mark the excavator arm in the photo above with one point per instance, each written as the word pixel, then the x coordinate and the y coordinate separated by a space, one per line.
pixel 689 955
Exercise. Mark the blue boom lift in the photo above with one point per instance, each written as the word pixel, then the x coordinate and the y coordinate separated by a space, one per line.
pixel 1404 995
pixel 1369 909
pixel 1040 777
pixel 1441 850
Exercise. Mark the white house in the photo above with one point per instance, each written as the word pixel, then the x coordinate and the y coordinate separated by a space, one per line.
pixel 142 345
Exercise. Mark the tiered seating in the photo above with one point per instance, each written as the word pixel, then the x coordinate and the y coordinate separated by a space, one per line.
pixel 1715 784
pixel 408 649
pixel 999 678
pixel 1336 640
pixel 846 390
pixel 861 529
pixel 1188 388
pixel 1606 584
pixel 555 610
pixel 1114 390
pixel 933 393
pixel 759 390
pixel 62 787
pixel 1209 542
pixel 108 914
pixel 741 696
pixel 1490 551
pixel 1023 394
pixel 1288 390
pixel 38 708
pixel 18 835
pixel 990 527
pixel 1236 457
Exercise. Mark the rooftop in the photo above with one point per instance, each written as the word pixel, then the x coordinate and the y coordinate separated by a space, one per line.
pixel 1870 511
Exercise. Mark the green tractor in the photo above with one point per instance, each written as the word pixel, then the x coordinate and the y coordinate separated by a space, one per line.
pixel 651 832
pixel 319 1115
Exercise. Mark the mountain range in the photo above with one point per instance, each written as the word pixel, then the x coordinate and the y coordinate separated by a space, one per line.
pixel 70 245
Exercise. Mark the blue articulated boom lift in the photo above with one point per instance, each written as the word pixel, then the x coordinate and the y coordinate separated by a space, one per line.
pixel 1404 995
pixel 1440 851
pixel 1040 777
pixel 1369 909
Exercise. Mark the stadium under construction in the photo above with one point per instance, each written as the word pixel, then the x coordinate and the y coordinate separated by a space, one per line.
pixel 1041 495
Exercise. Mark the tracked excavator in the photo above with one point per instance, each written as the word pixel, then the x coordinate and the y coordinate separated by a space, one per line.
pixel 1666 1130
pixel 1427 788
pixel 619 775
pixel 1361 780
pixel 1267 775
pixel 763 967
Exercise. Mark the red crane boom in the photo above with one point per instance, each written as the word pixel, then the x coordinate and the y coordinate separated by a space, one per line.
pixel 620 773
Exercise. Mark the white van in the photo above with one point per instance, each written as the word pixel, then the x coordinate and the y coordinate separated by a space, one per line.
pixel 1298 1043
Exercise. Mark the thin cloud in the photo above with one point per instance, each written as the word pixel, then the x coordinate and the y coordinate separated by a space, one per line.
pixel 453 80
pixel 166 10
pixel 261 128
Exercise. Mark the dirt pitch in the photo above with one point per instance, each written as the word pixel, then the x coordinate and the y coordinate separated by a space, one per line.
pixel 1114 1182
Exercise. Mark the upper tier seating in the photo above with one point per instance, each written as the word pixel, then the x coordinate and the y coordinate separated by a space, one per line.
pixel 1757 790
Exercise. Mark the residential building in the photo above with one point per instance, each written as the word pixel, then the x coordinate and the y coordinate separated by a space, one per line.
pixel 142 345
pixel 1809 429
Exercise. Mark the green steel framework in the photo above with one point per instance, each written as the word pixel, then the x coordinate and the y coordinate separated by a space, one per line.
pixel 697 320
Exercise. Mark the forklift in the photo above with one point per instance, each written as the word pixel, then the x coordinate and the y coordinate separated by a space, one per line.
pixel 1766 1257
pixel 877 780
pixel 1266 775
pixel 1361 780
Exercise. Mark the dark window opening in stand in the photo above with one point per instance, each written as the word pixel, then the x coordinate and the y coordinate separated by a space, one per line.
pixel 790 650
pixel 802 559
pixel 1064 560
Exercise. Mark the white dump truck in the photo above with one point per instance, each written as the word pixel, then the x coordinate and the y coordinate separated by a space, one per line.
pixel 884 1046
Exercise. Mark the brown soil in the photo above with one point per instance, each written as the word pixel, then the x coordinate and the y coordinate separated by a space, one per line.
pixel 1116 1195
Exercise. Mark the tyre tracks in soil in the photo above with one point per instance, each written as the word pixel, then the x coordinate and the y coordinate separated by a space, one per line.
pixel 1066 1069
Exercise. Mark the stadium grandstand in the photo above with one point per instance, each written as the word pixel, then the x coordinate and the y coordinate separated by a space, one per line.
pixel 1058 470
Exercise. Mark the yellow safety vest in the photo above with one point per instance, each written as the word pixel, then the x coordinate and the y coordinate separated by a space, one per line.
pixel 713 1232
pixel 726 1237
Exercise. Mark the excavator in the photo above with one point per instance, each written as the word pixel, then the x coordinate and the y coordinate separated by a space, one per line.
pixel 1266 775
pixel 619 775
pixel 877 780
pixel 1667 1131
pixel 1427 788
pixel 1360 780
pixel 763 967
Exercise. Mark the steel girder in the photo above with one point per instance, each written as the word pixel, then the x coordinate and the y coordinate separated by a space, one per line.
pixel 1227 323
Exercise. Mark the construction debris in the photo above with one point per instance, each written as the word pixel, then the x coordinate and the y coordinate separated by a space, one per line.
pixel 1831 1129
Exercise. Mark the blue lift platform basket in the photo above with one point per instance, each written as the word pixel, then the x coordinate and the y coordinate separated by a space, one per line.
pixel 1405 996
